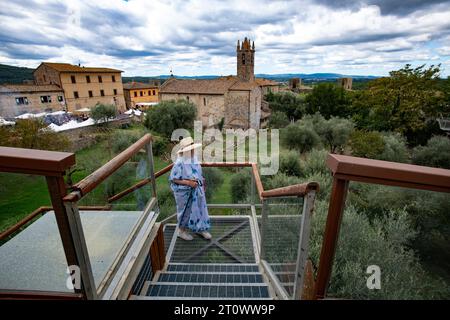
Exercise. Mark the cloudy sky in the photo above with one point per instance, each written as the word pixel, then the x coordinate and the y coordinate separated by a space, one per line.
pixel 150 37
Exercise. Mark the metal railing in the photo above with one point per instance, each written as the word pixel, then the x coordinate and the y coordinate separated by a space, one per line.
pixel 66 206
pixel 346 169
pixel 306 191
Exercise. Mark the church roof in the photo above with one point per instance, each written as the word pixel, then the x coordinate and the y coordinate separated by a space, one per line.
pixel 265 82
pixel 212 86
pixel 200 86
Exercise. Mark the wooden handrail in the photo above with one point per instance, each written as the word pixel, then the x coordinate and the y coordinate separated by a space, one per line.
pixel 38 295
pixel 298 190
pixel 258 183
pixel 94 179
pixel 33 161
pixel 41 210
pixel 24 221
pixel 140 184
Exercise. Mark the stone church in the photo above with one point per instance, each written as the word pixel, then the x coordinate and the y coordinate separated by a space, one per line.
pixel 238 100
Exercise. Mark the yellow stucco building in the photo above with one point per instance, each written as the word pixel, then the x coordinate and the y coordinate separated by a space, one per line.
pixel 138 92
pixel 83 87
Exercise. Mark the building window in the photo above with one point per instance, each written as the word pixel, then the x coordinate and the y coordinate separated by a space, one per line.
pixel 135 94
pixel 102 93
pixel 149 93
pixel 90 94
pixel 75 94
pixel 72 78
pixel 100 79
pixel 115 92
pixel 204 101
pixel 21 100
pixel 113 78
pixel 154 92
pixel 88 79
pixel 46 99
pixel 45 79
pixel 243 58
pixel 141 93
pixel 60 98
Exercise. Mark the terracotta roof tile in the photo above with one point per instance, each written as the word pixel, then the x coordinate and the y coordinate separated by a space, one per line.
pixel 138 85
pixel 66 67
pixel 210 86
pixel 266 82
pixel 4 88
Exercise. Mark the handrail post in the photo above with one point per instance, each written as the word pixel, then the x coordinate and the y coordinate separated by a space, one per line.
pixel 331 235
pixel 303 245
pixel 79 241
pixel 264 213
pixel 151 166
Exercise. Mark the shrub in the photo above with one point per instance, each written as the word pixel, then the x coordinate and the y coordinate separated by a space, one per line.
pixel 329 100
pixel 159 145
pixel 278 119
pixel 316 162
pixel 280 180
pixel 122 140
pixel 34 134
pixel 395 148
pixel 291 104
pixel 366 144
pixel 435 154
pixel 167 116
pixel 290 164
pixel 214 179
pixel 300 137
pixel 240 185
pixel 382 242
pixel 103 112
pixel 334 132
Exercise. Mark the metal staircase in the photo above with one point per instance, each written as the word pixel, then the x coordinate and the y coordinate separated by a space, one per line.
pixel 207 281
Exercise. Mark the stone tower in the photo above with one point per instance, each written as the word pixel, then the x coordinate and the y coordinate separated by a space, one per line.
pixel 246 60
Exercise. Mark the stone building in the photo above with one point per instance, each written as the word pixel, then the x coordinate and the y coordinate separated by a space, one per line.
pixel 235 99
pixel 83 87
pixel 345 83
pixel 138 92
pixel 16 99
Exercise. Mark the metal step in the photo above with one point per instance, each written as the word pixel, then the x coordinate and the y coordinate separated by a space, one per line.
pixel 171 290
pixel 212 267
pixel 208 277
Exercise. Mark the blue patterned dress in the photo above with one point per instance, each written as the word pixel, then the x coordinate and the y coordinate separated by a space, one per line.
pixel 192 212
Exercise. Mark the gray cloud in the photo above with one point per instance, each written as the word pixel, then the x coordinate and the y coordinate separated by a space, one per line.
pixel 387 7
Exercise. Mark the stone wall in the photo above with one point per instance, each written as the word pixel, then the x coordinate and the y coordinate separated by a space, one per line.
pixel 9 108
pixel 243 109
pixel 210 107
pixel 86 136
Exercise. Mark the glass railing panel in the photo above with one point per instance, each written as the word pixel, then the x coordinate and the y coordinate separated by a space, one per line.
pixel 32 257
pixel 280 224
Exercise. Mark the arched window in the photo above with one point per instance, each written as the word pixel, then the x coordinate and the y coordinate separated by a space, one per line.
pixel 243 58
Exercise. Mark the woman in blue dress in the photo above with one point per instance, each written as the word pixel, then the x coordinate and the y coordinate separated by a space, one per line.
pixel 187 184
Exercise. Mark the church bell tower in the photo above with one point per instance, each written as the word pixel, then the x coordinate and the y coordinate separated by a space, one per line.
pixel 246 60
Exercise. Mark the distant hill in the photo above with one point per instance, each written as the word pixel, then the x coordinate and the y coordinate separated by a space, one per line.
pixel 284 77
pixel 11 74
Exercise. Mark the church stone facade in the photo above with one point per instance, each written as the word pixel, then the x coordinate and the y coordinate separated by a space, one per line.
pixel 235 99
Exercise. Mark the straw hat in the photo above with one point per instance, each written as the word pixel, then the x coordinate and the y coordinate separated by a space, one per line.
pixel 187 144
